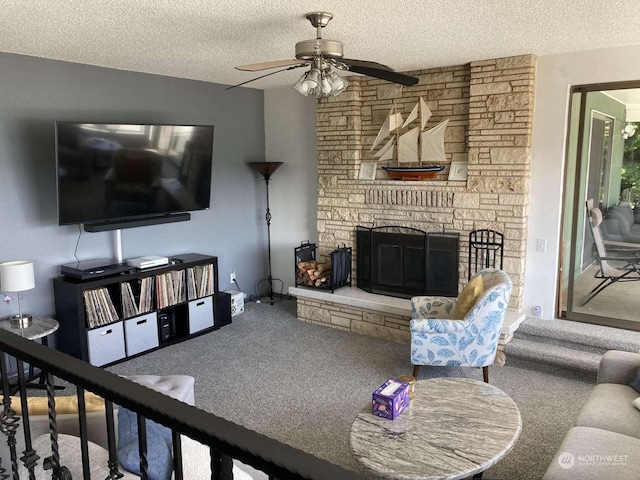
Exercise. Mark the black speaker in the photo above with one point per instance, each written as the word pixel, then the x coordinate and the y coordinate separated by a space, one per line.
pixel 167 326
pixel 223 310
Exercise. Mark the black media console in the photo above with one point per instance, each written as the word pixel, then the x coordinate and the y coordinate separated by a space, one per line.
pixel 110 319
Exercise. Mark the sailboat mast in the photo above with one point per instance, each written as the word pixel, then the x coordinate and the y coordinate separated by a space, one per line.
pixel 396 133
pixel 419 143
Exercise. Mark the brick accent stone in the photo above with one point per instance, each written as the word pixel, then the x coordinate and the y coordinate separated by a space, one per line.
pixel 357 320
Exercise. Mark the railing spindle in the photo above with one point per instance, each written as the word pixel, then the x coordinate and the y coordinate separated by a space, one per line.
pixel 114 473
pixel 177 455
pixel 221 466
pixel 9 421
pixel 29 457
pixel 142 447
pixel 84 448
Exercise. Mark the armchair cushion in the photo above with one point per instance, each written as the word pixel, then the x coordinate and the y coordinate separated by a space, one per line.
pixel 469 296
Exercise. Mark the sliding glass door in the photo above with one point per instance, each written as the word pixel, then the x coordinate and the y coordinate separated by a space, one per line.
pixel 603 171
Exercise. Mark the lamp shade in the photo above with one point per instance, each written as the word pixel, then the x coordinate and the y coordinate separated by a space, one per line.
pixel 17 276
pixel 265 169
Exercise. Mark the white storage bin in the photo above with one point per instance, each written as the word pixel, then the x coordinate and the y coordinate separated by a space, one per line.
pixel 106 344
pixel 141 333
pixel 200 314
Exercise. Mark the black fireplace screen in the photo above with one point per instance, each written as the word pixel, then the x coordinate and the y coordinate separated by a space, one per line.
pixel 330 274
pixel 405 262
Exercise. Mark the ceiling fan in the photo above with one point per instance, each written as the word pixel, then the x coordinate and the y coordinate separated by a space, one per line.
pixel 323 55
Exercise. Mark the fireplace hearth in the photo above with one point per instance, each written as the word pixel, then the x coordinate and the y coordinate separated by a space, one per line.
pixel 405 262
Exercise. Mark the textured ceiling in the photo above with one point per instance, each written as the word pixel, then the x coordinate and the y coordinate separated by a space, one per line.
pixel 205 39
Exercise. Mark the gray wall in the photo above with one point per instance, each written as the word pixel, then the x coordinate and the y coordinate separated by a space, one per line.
pixel 290 125
pixel 36 92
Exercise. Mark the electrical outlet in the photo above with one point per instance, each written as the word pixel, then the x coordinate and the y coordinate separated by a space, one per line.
pixel 537 311
pixel 232 276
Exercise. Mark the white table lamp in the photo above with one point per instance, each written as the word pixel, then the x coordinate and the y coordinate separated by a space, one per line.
pixel 17 277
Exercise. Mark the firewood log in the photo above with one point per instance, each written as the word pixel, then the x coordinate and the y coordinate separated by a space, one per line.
pixel 320 275
pixel 317 273
pixel 323 266
pixel 312 264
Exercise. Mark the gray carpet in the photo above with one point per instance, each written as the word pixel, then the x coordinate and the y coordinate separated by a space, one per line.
pixel 304 384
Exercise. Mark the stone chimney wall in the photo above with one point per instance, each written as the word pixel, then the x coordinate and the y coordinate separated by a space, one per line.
pixel 489 105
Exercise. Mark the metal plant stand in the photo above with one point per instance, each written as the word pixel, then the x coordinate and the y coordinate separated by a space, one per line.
pixel 266 169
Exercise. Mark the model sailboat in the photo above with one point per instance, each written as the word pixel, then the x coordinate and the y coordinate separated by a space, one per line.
pixel 414 147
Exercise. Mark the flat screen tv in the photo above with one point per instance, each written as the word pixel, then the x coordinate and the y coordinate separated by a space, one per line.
pixel 112 174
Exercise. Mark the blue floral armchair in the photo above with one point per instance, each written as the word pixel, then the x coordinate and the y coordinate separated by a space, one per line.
pixel 439 339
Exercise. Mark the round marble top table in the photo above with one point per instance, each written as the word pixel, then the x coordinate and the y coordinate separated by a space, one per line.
pixel 41 327
pixel 453 428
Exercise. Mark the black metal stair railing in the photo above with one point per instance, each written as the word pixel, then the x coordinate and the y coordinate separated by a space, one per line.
pixel 226 439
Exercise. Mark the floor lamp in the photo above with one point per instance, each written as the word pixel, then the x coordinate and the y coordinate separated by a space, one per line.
pixel 266 169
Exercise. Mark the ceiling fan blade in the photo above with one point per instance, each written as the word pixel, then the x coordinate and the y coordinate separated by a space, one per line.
pixel 365 64
pixel 265 75
pixel 256 67
pixel 387 75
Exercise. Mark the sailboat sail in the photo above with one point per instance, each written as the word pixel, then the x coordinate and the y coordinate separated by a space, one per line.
pixel 412 116
pixel 408 146
pixel 432 143
pixel 392 123
pixel 425 113
pixel 386 152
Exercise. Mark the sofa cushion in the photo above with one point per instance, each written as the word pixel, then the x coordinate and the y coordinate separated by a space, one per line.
pixel 609 407
pixel 636 383
pixel 594 454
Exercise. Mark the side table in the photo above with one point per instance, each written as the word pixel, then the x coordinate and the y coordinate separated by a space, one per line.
pixel 41 327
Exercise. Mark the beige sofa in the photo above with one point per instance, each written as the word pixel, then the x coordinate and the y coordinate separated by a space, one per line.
pixel 605 441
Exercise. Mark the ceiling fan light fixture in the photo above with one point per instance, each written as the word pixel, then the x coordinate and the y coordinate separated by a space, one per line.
pixel 321 83
pixel 308 83
pixel 313 78
pixel 338 83
pixel 301 86
pixel 325 87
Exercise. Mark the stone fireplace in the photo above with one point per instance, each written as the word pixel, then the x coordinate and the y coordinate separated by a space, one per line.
pixel 489 105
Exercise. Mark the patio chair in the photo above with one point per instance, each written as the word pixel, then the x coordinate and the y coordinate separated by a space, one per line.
pixel 624 266
pixel 461 331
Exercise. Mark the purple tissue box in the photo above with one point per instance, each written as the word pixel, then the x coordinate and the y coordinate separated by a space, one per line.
pixel 390 399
